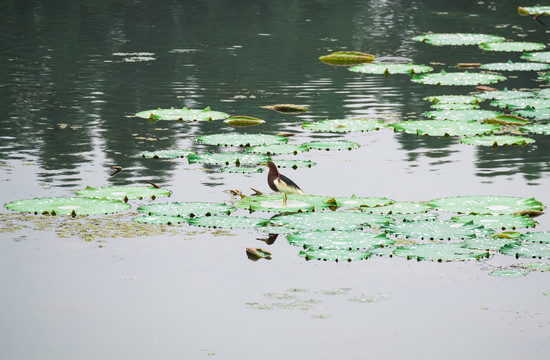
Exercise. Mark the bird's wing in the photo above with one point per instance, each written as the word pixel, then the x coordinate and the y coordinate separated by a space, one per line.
pixel 289 186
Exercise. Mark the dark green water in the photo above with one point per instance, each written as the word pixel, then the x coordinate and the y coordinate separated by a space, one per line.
pixel 67 100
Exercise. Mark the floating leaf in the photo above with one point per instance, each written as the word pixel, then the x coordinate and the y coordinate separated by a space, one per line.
pixel 330 220
pixel 541 56
pixel 457 39
pixel 452 99
pixel 184 114
pixel 160 219
pixel 356 202
pixel 542 267
pixel 543 129
pixel 530 250
pixel 386 68
pixel 339 240
pixel 344 125
pixel 295 164
pixel 334 255
pixel 257 253
pixel 242 170
pixel 507 120
pixel 453 106
pixel 243 121
pixel 495 205
pixel 504 94
pixel 278 149
pixel 496 140
pixel 274 203
pixel 67 206
pixel 246 140
pixel 534 103
pixel 512 46
pixel 497 222
pixel 539 114
pixel 287 108
pixel 533 10
pixel 412 217
pixel 166 154
pixel 228 222
pixel 123 192
pixel 186 209
pixel 433 230
pixel 404 207
pixel 347 58
pixel 457 78
pixel 511 66
pixel 462 115
pixel 444 127
pixel 440 252
pixel 536 237
pixel 332 145
pixel 228 158
pixel 509 273
pixel 488 243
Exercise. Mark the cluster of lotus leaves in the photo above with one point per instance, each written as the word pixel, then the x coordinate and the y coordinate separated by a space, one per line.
pixel 344 125
pixel 541 56
pixel 295 164
pixel 457 78
pixel 332 145
pixel 504 94
pixel 496 140
pixel 444 127
pixel 435 230
pixel 166 154
pixel 228 222
pixel 235 158
pixel 235 139
pixel 497 222
pixel 522 103
pixel 68 206
pixel 490 205
pixel 462 115
pixel 183 114
pixel 441 39
pixel 333 220
pixel 440 252
pixel 453 99
pixel 274 203
pixel 278 149
pixel 123 192
pixel 384 68
pixel 512 46
pixel 518 66
pixel 339 240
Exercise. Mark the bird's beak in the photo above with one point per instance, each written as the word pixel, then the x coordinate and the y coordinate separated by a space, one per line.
pixel 263 164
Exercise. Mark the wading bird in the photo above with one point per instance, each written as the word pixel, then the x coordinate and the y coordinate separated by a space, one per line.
pixel 281 183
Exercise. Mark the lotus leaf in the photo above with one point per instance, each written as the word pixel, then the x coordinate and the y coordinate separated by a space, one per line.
pixel 228 158
pixel 434 230
pixel 246 140
pixel 68 206
pixel 444 127
pixel 544 93
pixel 543 129
pixel 454 106
pixel 385 68
pixel 440 252
pixel 541 56
pixel 243 121
pixel 530 250
pixel 536 237
pixel 186 209
pixel 457 78
pixel 509 273
pixel 414 217
pixel 488 243
pixel 504 94
pixel 242 170
pixel 347 58
pixel 287 108
pixel 542 267
pixel 539 114
pixel 545 77
pixel 404 207
pixel 184 114
pixel 295 164
pixel 497 222
pixel 457 39
pixel 160 219
pixel 534 103
pixel 493 205
pixel 278 149
pixel 511 66
pixel 255 254
pixel 496 140
pixel 334 220
pixel 355 202
pixel 533 10
pixel 228 222
pixel 273 202
pixel 166 154
pixel 332 145
pixel 344 125
pixel 334 255
pixel 339 240
pixel 507 120
pixel 123 192
pixel 452 99
pixel 512 46
pixel 462 115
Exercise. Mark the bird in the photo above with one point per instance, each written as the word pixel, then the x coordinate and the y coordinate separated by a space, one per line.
pixel 280 183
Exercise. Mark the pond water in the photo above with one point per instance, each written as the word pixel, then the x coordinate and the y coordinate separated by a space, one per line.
pixel 69 87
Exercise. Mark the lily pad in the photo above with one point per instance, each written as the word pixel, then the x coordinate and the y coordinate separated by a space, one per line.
pixel 529 250
pixel 273 203
pixel 440 252
pixel 186 209
pixel 242 170
pixel 495 205
pixel 278 149
pixel 512 46
pixel 295 164
pixel 452 99
pixel 333 220
pixel 160 219
pixel 339 240
pixel 166 154
pixel 541 267
pixel 243 121
pixel 497 222
pixel 507 120
pixel 504 94
pixel 385 68
pixel 344 125
pixel 533 10
pixel 123 192
pixel 534 103
pixel 454 106
pixel 440 39
pixel 356 202
pixel 412 216
pixel 347 58
pixel 543 129
pixel 488 243
pixel 246 140
pixel 332 145
pixel 537 237
pixel 434 230
pixel 462 115
pixel 402 207
pixel 335 255
pixel 444 127
pixel 518 66
pixel 228 222
pixel 184 114
pixel 497 140
pixel 457 78
pixel 68 206
pixel 228 158
pixel 509 273
pixel 541 56
pixel 287 108
pixel 538 114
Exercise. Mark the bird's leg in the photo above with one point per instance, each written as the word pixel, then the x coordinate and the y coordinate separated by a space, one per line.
pixel 284 200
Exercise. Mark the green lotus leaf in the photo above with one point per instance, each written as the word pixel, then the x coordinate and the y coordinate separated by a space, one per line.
pixel 440 252
pixel 68 206
pixel 402 207
pixel 490 205
pixel 530 250
pixel 507 120
pixel 545 77
pixel 242 170
pixel 386 68
pixel 333 220
pixel 440 39
pixel 462 115
pixel 539 114
pixel 497 140
pixel 544 93
pixel 509 273
pixel 543 129
pixel 332 145
pixel 488 243
pixel 228 222
pixel 287 108
pixel 255 254
pixel 454 106
pixel 278 149
pixel 356 202
pixel 512 46
pixel 344 125
pixel 295 164
pixel 243 121
pixel 434 230
pixel 228 158
pixel 186 209
pixel 457 78
pixel 166 154
pixel 334 255
pixel 444 127
pixel 511 66
pixel 504 94
pixel 542 267
pixel 507 235
pixel 339 240
pixel 160 219
pixel 541 56
pixel 246 140
pixel 347 58
pixel 536 237
pixel 452 99
pixel 533 10
pixel 123 192
pixel 413 217
pixel 497 222
pixel 274 203
pixel 534 103
pixel 184 114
